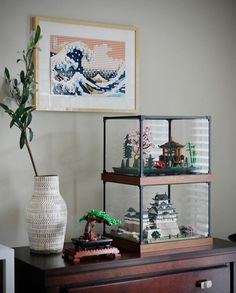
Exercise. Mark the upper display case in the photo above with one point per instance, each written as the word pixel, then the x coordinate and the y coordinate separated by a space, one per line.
pixel 155 149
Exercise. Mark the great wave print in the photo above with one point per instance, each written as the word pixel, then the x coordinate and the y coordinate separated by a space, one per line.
pixel 87 67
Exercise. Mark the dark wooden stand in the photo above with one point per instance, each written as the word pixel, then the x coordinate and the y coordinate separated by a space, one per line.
pixel 180 271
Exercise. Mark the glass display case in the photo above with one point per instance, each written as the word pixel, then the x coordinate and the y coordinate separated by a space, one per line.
pixel 157 181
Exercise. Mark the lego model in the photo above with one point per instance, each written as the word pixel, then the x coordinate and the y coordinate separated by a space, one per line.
pixel 159 223
pixel 90 243
pixel 130 229
pixel 171 153
pixel 162 219
pixel 171 161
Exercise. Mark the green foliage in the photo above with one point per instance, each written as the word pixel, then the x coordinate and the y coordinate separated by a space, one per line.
pixel 150 161
pixel 127 163
pixel 101 216
pixel 21 91
pixel 156 234
pixel 127 147
pixel 192 152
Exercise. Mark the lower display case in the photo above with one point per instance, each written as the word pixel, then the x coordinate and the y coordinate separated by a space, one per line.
pixel 159 218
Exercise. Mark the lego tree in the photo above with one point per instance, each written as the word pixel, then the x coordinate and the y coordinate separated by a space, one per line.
pixel 96 216
pixel 192 152
pixel 127 150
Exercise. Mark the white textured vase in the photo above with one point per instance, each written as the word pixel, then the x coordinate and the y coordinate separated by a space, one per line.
pixel 46 216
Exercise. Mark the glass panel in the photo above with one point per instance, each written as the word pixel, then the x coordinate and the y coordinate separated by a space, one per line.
pixel 176 213
pixel 170 146
pixel 170 213
pixel 122 201
pixel 118 151
pixel 192 204
pixel 193 134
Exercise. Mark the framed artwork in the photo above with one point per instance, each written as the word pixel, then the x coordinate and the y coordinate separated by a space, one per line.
pixel 85 66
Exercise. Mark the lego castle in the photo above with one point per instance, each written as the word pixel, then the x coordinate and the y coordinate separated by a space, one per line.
pixel 160 221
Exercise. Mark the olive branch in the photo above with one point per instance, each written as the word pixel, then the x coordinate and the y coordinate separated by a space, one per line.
pixel 21 91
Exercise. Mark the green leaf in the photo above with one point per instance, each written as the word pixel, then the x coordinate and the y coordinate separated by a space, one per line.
pixel 12 122
pixel 5 107
pixel 24 59
pixel 29 118
pixel 19 112
pixel 22 139
pixel 24 117
pixel 15 82
pixel 22 76
pixel 37 34
pixel 28 108
pixel 25 96
pixel 31 134
pixel 7 110
pixel 31 69
pixel 7 74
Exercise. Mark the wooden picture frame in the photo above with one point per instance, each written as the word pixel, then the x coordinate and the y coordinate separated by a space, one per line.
pixel 86 66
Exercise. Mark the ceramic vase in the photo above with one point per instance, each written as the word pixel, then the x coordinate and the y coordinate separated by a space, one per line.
pixel 46 216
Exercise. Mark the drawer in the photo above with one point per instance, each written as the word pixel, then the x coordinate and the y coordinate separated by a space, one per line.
pixel 218 282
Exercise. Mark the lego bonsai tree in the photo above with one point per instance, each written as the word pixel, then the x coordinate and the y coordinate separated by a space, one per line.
pixel 96 216
pixel 21 91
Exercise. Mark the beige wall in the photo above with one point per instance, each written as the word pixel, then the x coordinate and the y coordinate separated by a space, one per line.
pixel 187 67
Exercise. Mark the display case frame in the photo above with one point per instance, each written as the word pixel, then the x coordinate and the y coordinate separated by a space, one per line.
pixel 141 180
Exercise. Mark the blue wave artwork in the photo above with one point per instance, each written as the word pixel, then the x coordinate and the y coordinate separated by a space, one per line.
pixel 87 67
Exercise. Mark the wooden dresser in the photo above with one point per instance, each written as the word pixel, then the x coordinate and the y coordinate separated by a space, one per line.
pixel 204 270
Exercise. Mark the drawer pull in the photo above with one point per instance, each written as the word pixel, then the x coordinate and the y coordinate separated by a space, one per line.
pixel 204 284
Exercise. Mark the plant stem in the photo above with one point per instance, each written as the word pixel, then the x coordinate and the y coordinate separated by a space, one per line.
pixel 30 154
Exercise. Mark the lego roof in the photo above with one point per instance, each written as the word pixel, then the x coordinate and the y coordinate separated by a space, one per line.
pixel 171 144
